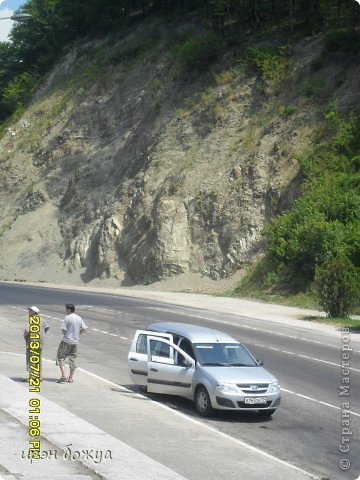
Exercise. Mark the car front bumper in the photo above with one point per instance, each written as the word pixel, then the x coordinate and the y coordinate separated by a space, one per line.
pixel 223 401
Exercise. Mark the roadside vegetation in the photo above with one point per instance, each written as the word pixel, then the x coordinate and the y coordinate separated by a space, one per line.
pixel 315 247
pixel 312 249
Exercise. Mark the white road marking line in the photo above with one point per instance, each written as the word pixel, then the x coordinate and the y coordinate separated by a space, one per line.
pixel 306 357
pixel 305 397
pixel 328 363
pixel 124 338
pixel 102 331
pixel 332 406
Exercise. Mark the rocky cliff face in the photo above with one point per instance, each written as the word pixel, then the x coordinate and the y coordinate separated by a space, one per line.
pixel 125 169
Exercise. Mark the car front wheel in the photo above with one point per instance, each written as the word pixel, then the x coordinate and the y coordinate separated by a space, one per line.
pixel 203 403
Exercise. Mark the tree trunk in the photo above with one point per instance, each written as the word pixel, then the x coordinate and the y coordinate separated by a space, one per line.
pixel 317 11
pixel 256 13
pixel 338 8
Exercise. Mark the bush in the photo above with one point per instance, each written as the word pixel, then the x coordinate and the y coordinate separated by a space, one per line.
pixel 314 87
pixel 287 110
pixel 304 244
pixel 338 286
pixel 274 64
pixel 199 51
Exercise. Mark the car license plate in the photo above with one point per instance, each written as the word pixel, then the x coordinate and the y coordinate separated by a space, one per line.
pixel 255 400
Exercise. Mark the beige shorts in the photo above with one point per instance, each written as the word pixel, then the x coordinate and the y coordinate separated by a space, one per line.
pixel 67 350
pixel 28 356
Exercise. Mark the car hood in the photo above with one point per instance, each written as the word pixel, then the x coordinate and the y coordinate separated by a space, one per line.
pixel 240 374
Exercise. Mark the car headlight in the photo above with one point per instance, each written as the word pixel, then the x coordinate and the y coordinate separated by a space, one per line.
pixel 274 387
pixel 226 387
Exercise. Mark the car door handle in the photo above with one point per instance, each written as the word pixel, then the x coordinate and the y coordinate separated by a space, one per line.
pixel 154 369
pixel 134 359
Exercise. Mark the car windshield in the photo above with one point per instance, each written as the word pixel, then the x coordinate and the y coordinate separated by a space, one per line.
pixel 224 355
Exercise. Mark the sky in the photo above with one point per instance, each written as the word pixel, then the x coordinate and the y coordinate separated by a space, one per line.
pixel 7 8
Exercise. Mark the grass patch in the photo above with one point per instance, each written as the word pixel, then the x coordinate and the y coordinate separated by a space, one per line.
pixel 42 120
pixel 351 323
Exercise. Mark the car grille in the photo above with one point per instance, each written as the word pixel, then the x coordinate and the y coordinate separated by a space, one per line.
pixel 253 387
pixel 254 406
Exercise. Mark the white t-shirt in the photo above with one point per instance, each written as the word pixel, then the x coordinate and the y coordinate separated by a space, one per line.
pixel 44 327
pixel 72 324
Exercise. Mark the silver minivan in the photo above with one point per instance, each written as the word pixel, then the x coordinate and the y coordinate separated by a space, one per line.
pixel 207 366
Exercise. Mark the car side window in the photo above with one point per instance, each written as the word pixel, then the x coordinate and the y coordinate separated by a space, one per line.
pixel 159 349
pixel 180 359
pixel 141 344
pixel 185 345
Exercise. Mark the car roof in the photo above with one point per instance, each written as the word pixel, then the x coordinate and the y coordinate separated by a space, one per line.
pixel 194 333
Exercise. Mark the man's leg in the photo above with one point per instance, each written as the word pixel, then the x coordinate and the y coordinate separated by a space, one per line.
pixel 72 362
pixel 62 370
pixel 61 357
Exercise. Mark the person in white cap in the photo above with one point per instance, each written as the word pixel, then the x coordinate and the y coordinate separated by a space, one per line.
pixel 44 327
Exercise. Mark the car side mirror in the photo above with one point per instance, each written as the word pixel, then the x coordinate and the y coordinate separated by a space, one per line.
pixel 260 362
pixel 186 364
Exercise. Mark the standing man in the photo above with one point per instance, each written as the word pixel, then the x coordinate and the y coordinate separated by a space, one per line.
pixel 72 327
pixel 44 327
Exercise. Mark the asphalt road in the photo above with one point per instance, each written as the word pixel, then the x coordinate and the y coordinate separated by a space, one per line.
pixel 307 429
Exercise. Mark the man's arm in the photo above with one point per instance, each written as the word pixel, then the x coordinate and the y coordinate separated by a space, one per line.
pixel 63 326
pixel 83 327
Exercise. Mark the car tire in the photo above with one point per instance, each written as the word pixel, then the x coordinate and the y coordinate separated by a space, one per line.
pixel 266 413
pixel 203 403
pixel 143 388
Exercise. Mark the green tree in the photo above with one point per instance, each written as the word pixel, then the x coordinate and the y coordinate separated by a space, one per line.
pixel 19 90
pixel 338 286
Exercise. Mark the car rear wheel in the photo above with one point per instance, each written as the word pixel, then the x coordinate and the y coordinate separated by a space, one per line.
pixel 203 403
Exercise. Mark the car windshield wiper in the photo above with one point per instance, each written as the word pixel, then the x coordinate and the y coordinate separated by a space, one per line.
pixel 215 364
pixel 240 365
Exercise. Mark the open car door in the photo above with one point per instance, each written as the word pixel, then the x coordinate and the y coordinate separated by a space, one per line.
pixel 138 355
pixel 170 369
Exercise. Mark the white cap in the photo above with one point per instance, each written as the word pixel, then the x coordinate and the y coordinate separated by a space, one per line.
pixel 34 309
